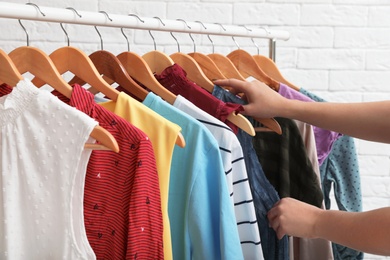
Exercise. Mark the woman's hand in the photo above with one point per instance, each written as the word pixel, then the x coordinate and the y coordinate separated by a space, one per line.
pixel 263 102
pixel 294 218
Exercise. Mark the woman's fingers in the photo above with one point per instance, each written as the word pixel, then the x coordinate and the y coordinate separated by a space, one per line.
pixel 273 216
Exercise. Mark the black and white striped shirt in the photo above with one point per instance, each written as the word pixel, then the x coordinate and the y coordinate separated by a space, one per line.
pixel 236 177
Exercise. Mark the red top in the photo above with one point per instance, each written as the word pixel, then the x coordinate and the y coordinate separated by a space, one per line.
pixel 174 78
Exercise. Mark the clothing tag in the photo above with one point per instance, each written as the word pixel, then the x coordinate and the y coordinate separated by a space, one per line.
pixel 250 78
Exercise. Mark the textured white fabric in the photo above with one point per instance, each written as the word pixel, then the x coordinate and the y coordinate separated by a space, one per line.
pixel 43 165
pixel 236 177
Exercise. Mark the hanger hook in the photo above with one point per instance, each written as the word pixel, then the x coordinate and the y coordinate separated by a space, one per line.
pixel 36 6
pixel 265 29
pixel 24 28
pixel 123 32
pixel 108 17
pixel 184 23
pixel 100 36
pixel 201 24
pixel 212 43
pixel 154 41
pixel 142 21
pixel 177 42
pixel 208 35
pixel 75 11
pixel 66 34
pixel 62 26
pixel 248 29
pixel 221 26
pixel 158 18
pixel 192 39
pixel 238 46
pixel 257 46
pixel 127 40
pixel 151 35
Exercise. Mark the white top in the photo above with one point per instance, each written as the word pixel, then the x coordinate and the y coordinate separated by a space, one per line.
pixel 236 177
pixel 43 165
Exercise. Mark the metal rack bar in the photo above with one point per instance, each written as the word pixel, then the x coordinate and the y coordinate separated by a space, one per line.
pixel 62 15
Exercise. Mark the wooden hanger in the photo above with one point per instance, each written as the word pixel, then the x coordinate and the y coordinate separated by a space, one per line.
pixel 223 63
pixel 226 66
pixel 137 67
pixel 76 61
pixel 187 63
pixel 196 75
pixel 247 66
pixel 270 68
pixel 208 66
pixel 193 70
pixel 108 65
pixel 191 67
pixel 157 60
pixel 9 74
pixel 35 61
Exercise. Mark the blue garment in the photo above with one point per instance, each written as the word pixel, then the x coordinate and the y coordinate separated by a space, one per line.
pixel 341 169
pixel 264 194
pixel 236 177
pixel 203 223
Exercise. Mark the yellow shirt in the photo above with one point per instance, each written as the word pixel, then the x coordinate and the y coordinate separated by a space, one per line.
pixel 163 134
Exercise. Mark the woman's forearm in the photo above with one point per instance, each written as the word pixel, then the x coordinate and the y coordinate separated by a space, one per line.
pixel 365 231
pixel 369 121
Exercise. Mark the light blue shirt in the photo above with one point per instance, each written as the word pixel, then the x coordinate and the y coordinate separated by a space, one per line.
pixel 203 224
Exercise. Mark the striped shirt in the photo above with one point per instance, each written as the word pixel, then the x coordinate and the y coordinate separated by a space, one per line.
pixel 236 177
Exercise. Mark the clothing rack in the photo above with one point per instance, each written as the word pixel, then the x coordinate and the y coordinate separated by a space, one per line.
pixel 71 16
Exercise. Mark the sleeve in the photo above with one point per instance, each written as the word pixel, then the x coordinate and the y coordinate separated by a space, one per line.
pixel 145 216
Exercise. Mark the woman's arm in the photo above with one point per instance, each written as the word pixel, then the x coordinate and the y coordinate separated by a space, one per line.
pixel 364 231
pixel 369 120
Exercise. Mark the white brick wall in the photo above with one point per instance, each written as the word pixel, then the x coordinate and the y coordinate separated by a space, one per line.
pixel 339 49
